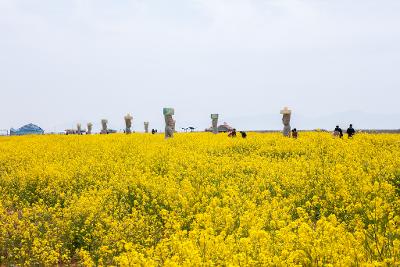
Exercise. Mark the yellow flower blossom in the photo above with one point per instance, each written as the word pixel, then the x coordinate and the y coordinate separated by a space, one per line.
pixel 200 200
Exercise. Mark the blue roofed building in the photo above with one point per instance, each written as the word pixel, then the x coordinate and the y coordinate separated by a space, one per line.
pixel 27 129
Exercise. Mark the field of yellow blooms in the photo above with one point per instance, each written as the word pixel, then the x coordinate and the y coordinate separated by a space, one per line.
pixel 200 199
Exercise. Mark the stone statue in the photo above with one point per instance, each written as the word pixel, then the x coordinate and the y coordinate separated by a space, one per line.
pixel 214 120
pixel 146 126
pixel 89 128
pixel 169 122
pixel 79 128
pixel 286 121
pixel 128 123
pixel 104 129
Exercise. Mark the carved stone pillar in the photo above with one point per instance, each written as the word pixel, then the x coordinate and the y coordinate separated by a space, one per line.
pixel 79 128
pixel 146 126
pixel 214 121
pixel 89 128
pixel 104 129
pixel 128 123
pixel 286 121
pixel 169 122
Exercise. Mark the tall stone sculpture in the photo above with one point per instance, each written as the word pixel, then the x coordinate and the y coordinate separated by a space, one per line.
pixel 104 129
pixel 169 122
pixel 214 120
pixel 89 128
pixel 286 121
pixel 79 128
pixel 128 123
pixel 146 126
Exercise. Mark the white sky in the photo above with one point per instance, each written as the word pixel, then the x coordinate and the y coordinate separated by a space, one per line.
pixel 69 61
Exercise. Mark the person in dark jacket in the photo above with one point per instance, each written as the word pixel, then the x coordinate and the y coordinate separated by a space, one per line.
pixel 243 133
pixel 232 133
pixel 338 131
pixel 350 131
pixel 295 133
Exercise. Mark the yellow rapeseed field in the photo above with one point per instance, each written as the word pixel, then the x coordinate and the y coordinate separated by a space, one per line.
pixel 200 199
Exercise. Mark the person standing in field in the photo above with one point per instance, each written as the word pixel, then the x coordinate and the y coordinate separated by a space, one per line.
pixel 243 133
pixel 350 131
pixel 294 133
pixel 232 133
pixel 338 131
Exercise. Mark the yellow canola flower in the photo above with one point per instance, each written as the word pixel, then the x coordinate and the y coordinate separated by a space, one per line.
pixel 200 200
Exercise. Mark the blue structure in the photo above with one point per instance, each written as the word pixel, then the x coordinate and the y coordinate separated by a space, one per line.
pixel 27 129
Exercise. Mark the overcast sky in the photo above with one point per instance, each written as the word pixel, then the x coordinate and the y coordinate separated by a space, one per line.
pixel 69 61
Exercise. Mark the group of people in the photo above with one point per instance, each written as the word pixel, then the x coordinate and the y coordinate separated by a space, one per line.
pixel 232 133
pixel 294 134
pixel 338 131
